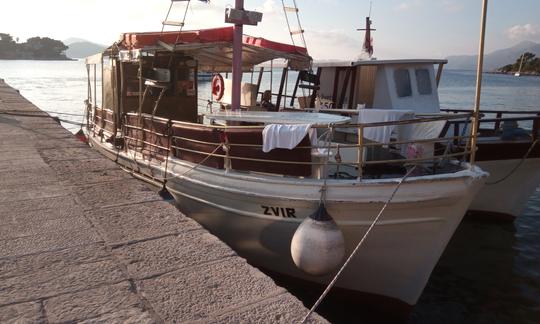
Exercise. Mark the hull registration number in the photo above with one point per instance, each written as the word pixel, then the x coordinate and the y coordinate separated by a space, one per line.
pixel 279 211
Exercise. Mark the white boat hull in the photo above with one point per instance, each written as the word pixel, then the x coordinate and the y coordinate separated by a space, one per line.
pixel 396 261
pixel 506 193
pixel 257 216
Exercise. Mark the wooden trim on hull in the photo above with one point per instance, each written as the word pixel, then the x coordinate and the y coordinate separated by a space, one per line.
pixel 490 216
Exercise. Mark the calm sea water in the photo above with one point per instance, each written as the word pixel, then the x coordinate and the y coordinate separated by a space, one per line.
pixel 489 273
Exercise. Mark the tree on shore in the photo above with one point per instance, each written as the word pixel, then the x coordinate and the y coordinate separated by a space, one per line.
pixel 45 48
pixel 531 64
pixel 35 48
pixel 8 47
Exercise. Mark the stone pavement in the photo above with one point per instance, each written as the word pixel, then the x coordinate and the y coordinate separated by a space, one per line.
pixel 82 241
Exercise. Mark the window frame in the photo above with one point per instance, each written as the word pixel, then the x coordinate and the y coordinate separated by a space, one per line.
pixel 421 86
pixel 403 86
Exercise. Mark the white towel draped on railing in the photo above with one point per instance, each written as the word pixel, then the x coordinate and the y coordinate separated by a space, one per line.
pixel 283 136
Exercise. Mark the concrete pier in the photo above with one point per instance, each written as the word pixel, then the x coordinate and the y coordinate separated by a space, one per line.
pixel 81 240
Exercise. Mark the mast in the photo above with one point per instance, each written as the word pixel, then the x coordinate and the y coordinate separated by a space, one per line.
pixel 476 113
pixel 520 65
pixel 239 17
pixel 237 60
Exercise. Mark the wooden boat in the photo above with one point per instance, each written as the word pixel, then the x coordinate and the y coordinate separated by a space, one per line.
pixel 507 140
pixel 149 121
pixel 508 150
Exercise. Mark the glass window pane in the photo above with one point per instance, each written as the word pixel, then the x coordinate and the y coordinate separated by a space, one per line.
pixel 403 82
pixel 423 81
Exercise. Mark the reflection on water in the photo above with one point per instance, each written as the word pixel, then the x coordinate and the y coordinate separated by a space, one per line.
pixel 58 86
pixel 490 273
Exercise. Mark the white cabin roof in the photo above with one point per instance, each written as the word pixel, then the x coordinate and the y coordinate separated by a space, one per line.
pixel 381 62
pixel 402 61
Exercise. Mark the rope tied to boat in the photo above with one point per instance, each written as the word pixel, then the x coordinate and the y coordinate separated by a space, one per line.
pixel 515 168
pixel 353 253
pixel 327 144
pixel 213 153
pixel 37 115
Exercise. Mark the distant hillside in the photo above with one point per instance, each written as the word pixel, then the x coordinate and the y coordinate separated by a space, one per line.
pixel 494 60
pixel 528 64
pixel 35 48
pixel 72 40
pixel 82 48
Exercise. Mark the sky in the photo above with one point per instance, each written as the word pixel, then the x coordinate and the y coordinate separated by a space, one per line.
pixel 405 28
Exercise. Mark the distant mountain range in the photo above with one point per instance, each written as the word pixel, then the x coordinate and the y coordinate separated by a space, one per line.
pixel 493 60
pixel 81 48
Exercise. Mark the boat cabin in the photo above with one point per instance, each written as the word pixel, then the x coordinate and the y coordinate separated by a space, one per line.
pixel 382 84
pixel 157 73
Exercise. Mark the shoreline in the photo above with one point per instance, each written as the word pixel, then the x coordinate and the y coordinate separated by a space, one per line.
pixel 514 72
pixel 38 59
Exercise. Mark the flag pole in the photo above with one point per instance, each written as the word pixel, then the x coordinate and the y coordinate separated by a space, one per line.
pixel 479 69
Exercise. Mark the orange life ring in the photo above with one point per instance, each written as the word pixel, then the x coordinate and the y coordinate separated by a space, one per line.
pixel 218 86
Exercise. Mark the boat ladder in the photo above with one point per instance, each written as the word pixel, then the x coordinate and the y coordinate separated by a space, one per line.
pixel 292 9
pixel 306 79
pixel 160 78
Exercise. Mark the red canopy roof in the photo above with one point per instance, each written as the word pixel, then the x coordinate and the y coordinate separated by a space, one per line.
pixel 140 40
pixel 199 43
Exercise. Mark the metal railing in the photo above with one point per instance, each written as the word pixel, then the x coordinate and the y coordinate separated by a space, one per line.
pixel 141 136
pixel 489 126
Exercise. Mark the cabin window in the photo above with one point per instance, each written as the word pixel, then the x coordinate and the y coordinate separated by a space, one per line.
pixel 403 83
pixel 423 81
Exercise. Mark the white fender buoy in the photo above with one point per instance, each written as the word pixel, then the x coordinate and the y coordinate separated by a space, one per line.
pixel 317 246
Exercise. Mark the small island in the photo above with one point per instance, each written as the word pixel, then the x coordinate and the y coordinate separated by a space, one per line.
pixel 35 48
pixel 527 64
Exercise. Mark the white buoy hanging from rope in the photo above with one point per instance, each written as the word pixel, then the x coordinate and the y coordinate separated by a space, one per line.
pixel 318 246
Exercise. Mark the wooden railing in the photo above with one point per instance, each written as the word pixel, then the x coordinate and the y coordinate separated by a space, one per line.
pixel 104 122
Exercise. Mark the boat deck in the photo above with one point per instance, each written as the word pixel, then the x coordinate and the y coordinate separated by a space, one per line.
pixel 82 240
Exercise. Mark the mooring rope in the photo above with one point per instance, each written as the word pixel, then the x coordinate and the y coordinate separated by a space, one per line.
pixel 193 167
pixel 519 164
pixel 338 274
pixel 41 116
pixel 328 142
pixel 45 111
pixel 165 179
